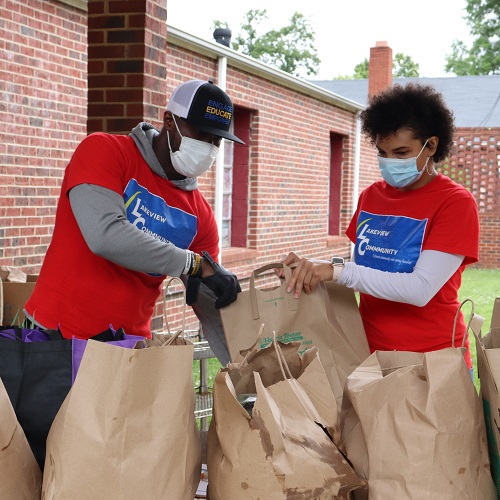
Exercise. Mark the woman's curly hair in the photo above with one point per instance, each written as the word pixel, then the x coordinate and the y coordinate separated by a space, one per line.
pixel 419 108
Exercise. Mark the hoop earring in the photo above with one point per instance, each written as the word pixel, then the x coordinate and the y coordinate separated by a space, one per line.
pixel 432 170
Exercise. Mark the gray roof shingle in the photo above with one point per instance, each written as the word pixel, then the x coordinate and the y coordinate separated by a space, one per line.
pixel 474 100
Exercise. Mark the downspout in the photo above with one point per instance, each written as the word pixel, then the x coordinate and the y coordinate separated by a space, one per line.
pixel 357 155
pixel 219 170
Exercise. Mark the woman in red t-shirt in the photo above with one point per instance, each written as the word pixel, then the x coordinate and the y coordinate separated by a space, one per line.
pixel 409 250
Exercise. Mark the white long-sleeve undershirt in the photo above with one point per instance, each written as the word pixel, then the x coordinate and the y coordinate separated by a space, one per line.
pixel 432 270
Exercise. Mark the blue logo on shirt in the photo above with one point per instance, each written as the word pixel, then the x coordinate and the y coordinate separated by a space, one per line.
pixel 389 242
pixel 152 214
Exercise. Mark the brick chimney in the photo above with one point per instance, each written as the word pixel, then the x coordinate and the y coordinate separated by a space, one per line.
pixel 126 64
pixel 379 68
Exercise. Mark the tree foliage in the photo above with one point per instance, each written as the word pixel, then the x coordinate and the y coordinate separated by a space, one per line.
pixel 483 57
pixel 361 70
pixel 290 48
pixel 404 67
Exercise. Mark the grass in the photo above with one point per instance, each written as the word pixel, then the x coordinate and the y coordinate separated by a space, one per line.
pixel 213 368
pixel 479 285
pixel 482 286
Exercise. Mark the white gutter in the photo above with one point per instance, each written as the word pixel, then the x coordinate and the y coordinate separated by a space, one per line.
pixel 219 170
pixel 357 155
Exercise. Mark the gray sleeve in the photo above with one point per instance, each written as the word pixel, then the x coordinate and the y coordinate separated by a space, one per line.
pixel 432 270
pixel 102 219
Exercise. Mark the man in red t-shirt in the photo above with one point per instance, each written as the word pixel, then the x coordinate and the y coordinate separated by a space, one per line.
pixel 130 213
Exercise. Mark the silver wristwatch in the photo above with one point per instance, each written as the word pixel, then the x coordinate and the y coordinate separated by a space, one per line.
pixel 337 264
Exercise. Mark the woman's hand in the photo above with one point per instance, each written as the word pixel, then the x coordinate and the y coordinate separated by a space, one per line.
pixel 305 275
pixel 290 259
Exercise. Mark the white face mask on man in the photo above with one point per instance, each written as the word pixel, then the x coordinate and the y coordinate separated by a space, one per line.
pixel 193 157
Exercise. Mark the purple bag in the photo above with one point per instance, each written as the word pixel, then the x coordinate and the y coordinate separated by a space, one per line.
pixel 78 347
pixel 35 336
pixel 27 334
pixel 10 333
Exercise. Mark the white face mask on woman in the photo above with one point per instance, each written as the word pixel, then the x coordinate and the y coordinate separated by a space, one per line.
pixel 194 157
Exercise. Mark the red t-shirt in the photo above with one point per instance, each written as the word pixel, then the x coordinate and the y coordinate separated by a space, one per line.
pixel 390 228
pixel 83 293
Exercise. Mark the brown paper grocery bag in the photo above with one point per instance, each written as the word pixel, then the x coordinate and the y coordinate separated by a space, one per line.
pixel 284 449
pixel 127 428
pixel 307 367
pixel 328 318
pixel 413 426
pixel 488 362
pixel 20 475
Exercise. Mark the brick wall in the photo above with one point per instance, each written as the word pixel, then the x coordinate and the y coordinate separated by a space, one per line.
pixel 475 164
pixel 43 112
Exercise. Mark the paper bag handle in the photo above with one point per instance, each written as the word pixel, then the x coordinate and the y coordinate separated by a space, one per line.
pixel 281 359
pixel 468 324
pixel 244 361
pixel 292 303
pixel 279 354
pixel 477 324
pixel 165 319
pixel 171 340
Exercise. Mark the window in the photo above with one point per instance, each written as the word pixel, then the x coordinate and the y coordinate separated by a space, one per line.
pixel 227 193
pixel 235 191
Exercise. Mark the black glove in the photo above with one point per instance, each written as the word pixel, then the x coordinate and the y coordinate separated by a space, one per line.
pixel 223 283
pixel 192 288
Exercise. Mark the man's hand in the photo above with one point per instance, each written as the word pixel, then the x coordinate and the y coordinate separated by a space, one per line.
pixel 222 282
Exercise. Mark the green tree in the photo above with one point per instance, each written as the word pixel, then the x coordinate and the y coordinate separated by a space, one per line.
pixel 361 70
pixel 483 57
pixel 290 48
pixel 402 67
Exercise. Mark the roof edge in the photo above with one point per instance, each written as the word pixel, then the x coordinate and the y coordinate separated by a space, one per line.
pixel 215 50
